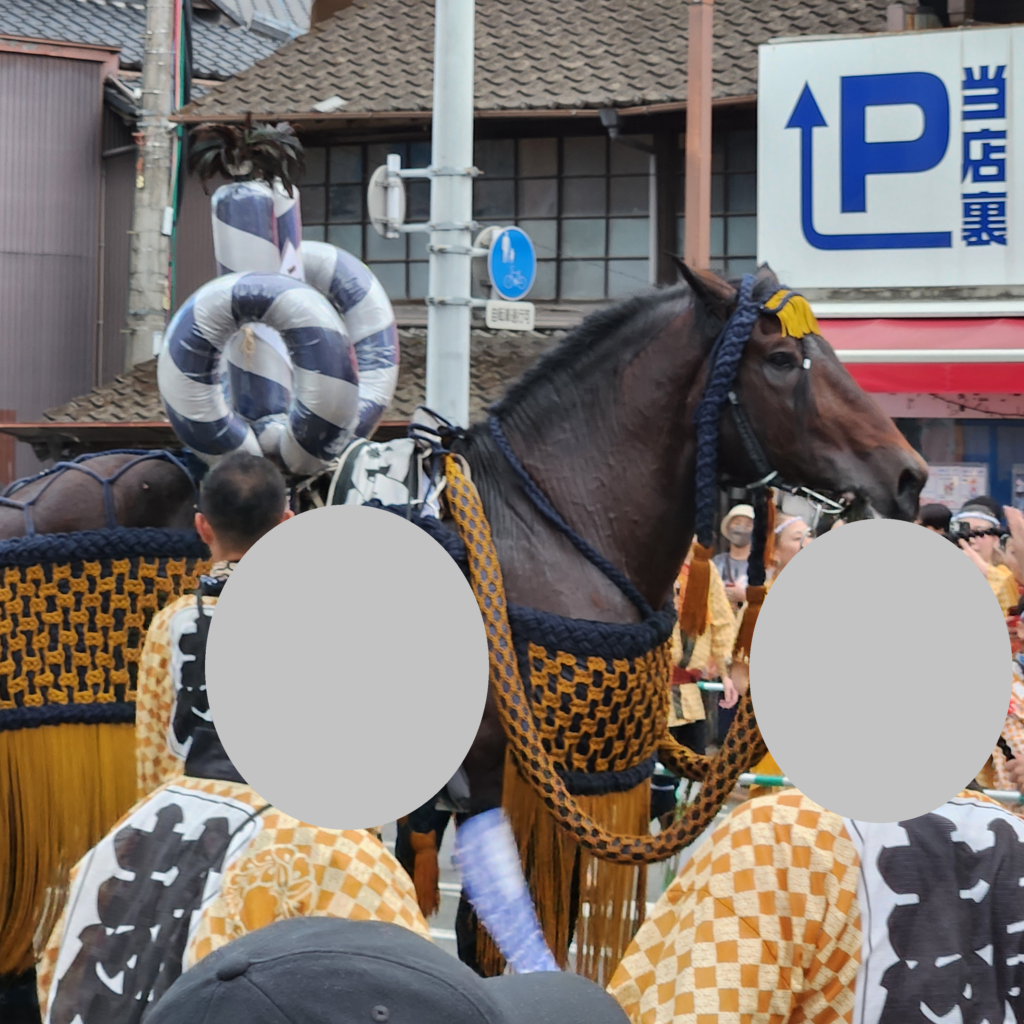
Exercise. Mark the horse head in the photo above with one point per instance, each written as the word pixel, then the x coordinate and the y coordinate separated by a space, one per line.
pixel 816 426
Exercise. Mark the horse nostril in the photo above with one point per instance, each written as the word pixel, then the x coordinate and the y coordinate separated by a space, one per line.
pixel 909 484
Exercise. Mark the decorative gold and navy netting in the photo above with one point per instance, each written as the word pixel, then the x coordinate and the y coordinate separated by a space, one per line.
pixel 74 619
pixel 74 609
pixel 595 690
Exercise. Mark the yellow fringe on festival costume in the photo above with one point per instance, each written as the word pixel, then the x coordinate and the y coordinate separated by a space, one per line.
pixel 585 714
pixel 796 316
pixel 70 634
pixel 612 897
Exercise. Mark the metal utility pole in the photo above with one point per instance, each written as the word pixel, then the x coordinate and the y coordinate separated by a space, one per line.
pixel 150 250
pixel 697 243
pixel 449 304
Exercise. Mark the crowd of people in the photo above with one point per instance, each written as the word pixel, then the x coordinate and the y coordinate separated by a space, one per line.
pixel 205 903
pixel 989 534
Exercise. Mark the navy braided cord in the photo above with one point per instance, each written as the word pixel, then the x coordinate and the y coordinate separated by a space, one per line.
pixel 723 365
pixel 544 506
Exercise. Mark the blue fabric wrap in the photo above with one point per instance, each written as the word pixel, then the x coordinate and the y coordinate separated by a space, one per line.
pixel 493 881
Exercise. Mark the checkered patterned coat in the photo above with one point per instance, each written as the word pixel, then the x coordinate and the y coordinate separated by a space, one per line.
pixel 288 869
pixel 761 926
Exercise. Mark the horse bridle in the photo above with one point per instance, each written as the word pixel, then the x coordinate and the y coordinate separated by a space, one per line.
pixel 768 476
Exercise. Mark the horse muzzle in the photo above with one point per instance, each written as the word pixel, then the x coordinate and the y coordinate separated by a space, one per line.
pixel 889 479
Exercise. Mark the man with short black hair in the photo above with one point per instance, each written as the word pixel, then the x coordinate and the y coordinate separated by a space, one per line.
pixel 935 518
pixel 242 499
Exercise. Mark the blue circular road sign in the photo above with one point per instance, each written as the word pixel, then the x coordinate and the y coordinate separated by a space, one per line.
pixel 512 263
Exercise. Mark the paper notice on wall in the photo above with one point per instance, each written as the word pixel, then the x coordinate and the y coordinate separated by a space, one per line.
pixel 952 486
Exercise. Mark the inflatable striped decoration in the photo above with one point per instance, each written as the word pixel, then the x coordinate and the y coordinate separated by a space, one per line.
pixel 363 304
pixel 256 228
pixel 206 411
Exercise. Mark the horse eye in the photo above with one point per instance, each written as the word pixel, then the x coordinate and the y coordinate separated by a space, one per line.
pixel 782 359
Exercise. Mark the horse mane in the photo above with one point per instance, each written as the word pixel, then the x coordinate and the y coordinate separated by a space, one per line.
pixel 583 369
pixel 607 337
pixel 593 342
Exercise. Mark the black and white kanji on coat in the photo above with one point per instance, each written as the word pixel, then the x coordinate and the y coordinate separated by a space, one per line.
pixel 942 915
pixel 135 901
pixel 190 706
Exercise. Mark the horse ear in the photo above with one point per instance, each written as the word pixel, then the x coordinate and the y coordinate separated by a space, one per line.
pixel 718 297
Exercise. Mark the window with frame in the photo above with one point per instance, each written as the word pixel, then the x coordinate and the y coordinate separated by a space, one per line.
pixel 333 192
pixel 584 201
pixel 733 201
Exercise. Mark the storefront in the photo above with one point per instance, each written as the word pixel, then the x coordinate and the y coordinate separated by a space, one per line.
pixel 954 386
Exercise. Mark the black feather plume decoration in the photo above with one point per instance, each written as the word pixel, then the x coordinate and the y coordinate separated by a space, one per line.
pixel 252 152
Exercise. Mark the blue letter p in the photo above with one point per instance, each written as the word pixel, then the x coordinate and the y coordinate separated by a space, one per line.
pixel 859 158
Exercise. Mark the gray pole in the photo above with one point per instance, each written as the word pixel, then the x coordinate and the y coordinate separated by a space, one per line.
pixel 451 212
pixel 150 249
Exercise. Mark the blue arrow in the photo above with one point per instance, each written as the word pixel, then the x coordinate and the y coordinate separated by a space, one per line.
pixel 807 116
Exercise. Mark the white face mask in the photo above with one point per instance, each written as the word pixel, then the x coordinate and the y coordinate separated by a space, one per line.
pixel 738 536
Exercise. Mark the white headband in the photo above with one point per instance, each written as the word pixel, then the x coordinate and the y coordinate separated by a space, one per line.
pixel 786 522
pixel 975 514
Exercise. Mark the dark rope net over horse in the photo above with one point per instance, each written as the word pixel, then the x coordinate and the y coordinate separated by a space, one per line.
pixel 185 461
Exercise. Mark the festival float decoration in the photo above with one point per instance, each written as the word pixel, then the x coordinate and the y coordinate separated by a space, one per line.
pixel 293 351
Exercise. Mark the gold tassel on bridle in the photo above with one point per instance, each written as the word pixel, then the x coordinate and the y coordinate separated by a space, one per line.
pixel 794 313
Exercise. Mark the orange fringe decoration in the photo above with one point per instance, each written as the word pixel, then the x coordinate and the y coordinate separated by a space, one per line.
pixel 426 873
pixel 755 598
pixel 769 537
pixel 693 615
pixel 755 595
pixel 612 897
pixel 65 786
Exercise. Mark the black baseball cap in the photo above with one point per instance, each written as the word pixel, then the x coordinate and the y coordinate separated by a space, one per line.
pixel 323 970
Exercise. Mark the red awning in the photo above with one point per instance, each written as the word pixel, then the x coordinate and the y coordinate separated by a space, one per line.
pixel 933 356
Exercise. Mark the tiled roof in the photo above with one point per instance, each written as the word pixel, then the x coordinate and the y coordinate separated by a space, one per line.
pixel 530 54
pixel 293 12
pixel 220 50
pixel 498 359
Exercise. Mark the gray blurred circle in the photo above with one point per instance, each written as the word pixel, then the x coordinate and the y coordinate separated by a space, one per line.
pixel 880 670
pixel 347 667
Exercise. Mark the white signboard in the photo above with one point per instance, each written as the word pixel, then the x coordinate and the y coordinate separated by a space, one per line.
pixel 509 316
pixel 890 161
pixel 952 486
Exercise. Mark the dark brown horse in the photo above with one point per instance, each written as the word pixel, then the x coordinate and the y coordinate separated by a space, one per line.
pixel 130 489
pixel 605 426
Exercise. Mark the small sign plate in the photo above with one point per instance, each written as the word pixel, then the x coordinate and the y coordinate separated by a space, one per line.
pixel 510 316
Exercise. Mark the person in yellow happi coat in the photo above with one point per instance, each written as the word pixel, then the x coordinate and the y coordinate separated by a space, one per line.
pixel 981 516
pixel 201 861
pixel 790 914
pixel 700 658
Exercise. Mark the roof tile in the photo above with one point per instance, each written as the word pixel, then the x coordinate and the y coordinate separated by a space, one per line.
pixel 624 52
pixel 498 359
pixel 220 51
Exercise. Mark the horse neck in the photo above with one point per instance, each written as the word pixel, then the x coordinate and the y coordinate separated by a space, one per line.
pixel 617 465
